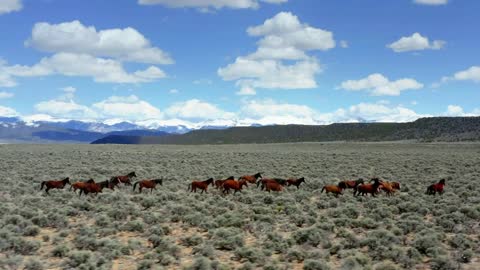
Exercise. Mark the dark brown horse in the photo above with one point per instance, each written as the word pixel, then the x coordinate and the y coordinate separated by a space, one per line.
pixel 262 182
pixel 151 184
pixel 92 187
pixel 295 182
pixel 54 184
pixel 337 190
pixel 434 188
pixel 368 188
pixel 77 185
pixel 252 179
pixel 114 182
pixel 351 183
pixel 235 185
pixel 126 179
pixel 203 185
pixel 273 186
pixel 219 183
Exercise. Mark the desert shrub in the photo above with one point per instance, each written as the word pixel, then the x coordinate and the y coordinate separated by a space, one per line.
pixel 45 238
pixel 315 265
pixel 60 251
pixel 193 240
pixel 443 263
pixel 460 241
pixel 334 249
pixel 10 262
pixel 24 247
pixel 146 265
pixel 465 256
pixel 312 236
pixel 205 250
pixel 134 226
pixel 251 254
pixel 379 243
pixel 57 220
pixel 31 230
pixel 277 243
pixel 358 261
pixel 349 240
pixel 366 223
pixel 33 264
pixel 227 238
pixel 411 257
pixel 200 263
pixel 230 219
pixel 102 221
pixel 81 260
pixel 386 266
pixel 423 243
pixel 165 259
pixel 194 219
pixel 295 254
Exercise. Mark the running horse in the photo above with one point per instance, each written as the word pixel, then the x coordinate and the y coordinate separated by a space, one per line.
pixel 434 188
pixel 219 183
pixel 263 182
pixel 252 179
pixel 54 184
pixel 351 183
pixel 151 184
pixel 126 179
pixel 296 182
pixel 368 188
pixel 92 187
pixel 203 185
pixel 235 185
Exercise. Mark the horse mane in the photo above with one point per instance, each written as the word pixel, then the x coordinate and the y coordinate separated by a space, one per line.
pixel 442 181
pixel 301 179
pixel 90 181
pixel 257 175
pixel 131 174
pixel 66 179
pixel 158 181
pixel 230 178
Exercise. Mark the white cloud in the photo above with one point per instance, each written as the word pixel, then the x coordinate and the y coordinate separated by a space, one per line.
pixel 454 110
pixel 205 5
pixel 65 109
pixel 372 112
pixel 470 74
pixel 4 94
pixel 379 85
pixel 269 107
pixel 73 37
pixel 129 108
pixel 281 60
pixel 7 112
pixel 431 2
pixel 415 42
pixel 7 6
pixel 344 44
pixel 83 65
pixel 197 109
pixel 173 91
pixel 271 74
pixel 246 91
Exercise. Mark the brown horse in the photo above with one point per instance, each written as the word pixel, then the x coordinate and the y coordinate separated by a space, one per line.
pixel 387 187
pixel 203 185
pixel 337 190
pixel 77 185
pixel 273 186
pixel 252 179
pixel 434 188
pixel 368 188
pixel 92 187
pixel 296 182
pixel 114 182
pixel 395 185
pixel 54 184
pixel 219 183
pixel 126 179
pixel 151 184
pixel 262 182
pixel 351 183
pixel 235 185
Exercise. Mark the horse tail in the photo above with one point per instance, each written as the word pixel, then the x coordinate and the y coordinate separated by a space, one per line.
pixel 135 185
pixel 322 190
pixel 189 187
pixel 258 183
pixel 43 184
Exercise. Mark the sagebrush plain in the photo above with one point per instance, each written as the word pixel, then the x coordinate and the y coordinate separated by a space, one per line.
pixel 294 229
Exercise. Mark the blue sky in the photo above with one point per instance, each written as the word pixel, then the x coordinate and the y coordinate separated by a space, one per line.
pixel 242 61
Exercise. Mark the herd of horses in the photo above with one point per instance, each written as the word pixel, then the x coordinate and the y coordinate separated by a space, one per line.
pixel 373 187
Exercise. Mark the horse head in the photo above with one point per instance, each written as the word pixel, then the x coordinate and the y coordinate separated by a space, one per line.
pixel 258 175
pixel 132 174
pixel 442 181
pixel 359 181
pixel 91 181
pixel 302 179
pixel 230 178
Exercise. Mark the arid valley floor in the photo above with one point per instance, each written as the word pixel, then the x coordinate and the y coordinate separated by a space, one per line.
pixel 295 229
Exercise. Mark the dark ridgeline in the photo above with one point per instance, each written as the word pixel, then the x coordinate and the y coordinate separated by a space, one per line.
pixel 448 129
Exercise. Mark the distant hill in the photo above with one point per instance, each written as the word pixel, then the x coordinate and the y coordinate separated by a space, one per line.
pixel 425 129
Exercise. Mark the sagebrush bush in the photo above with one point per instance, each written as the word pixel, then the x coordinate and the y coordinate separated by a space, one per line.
pixel 315 265
pixel 227 238
pixel 33 264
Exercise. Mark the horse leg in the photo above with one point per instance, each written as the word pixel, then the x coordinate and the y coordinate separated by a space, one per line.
pixel 46 190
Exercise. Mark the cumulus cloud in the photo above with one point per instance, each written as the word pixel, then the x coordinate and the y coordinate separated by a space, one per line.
pixel 431 2
pixel 246 91
pixel 205 5
pixel 281 60
pixel 197 109
pixel 415 42
pixel 129 108
pixel 83 65
pixel 379 85
pixel 470 74
pixel 7 6
pixel 73 37
pixel 7 112
pixel 4 94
